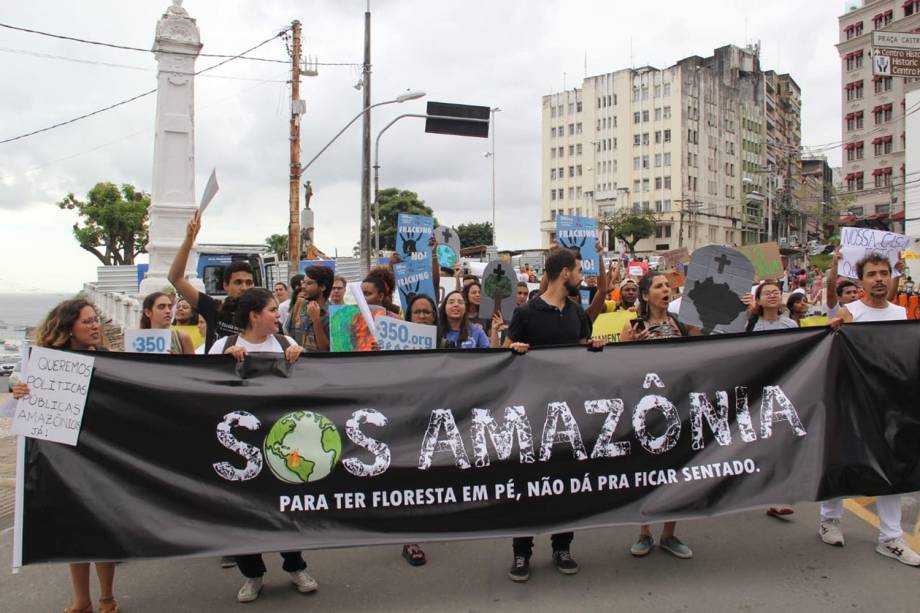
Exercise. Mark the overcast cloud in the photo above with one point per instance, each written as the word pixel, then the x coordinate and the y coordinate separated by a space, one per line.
pixel 506 54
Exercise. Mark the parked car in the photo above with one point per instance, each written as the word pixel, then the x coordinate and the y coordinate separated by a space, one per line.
pixel 655 262
pixel 7 369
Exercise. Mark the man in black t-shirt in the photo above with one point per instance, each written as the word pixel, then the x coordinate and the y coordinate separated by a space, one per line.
pixel 552 318
pixel 238 277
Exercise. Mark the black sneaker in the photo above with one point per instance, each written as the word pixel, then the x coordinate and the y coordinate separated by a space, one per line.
pixel 520 569
pixel 564 562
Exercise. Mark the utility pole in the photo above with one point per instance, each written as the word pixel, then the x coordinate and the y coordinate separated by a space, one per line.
pixel 296 110
pixel 366 148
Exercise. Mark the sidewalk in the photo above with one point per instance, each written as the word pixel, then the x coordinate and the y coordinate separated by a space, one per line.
pixel 743 562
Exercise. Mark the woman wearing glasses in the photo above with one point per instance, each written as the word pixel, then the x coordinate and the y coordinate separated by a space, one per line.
pixel 768 314
pixel 74 325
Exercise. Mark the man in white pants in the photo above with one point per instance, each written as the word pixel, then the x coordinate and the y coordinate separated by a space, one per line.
pixel 874 276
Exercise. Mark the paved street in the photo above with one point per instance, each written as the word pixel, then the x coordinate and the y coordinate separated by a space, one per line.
pixel 744 562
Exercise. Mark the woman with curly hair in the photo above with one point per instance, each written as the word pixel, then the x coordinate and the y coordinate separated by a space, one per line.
pixel 378 287
pixel 74 325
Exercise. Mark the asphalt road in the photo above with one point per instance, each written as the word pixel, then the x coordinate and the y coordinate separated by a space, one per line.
pixel 743 562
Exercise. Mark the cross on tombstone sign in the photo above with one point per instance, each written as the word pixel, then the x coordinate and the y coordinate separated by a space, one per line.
pixel 499 271
pixel 722 261
pixel 445 235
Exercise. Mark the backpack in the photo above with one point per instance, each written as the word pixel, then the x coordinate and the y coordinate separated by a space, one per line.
pixel 282 340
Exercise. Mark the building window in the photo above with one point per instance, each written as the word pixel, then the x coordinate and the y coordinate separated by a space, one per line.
pixel 571 129
pixel 645 138
pixel 578 171
pixel 645 185
pixel 657 160
pixel 911 7
pixel 854 60
pixel 667 136
pixel 856 29
pixel 552 174
pixel 578 106
pixel 552 196
pixel 882 84
pixel 666 89
pixel 571 196
pixel 882 177
pixel 636 161
pixel 636 186
pixel 658 91
pixel 637 117
pixel 637 139
pixel 552 132
pixel 854 151
pixel 644 116
pixel 644 161
pixel 882 145
pixel 658 114
pixel 854 90
pixel 578 149
pixel 854 121
pixel 667 182
pixel 883 208
pixel 854 182
pixel 657 137
pixel 578 128
pixel 667 109
pixel 667 158
pixel 571 171
pixel 663 230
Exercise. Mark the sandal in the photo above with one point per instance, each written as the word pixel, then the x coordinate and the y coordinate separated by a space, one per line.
pixel 108 605
pixel 414 555
pixel 780 511
pixel 87 609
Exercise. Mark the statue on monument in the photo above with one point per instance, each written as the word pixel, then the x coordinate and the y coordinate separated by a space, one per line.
pixel 176 9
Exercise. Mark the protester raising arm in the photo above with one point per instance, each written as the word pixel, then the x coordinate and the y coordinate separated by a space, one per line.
pixel 831 284
pixel 176 274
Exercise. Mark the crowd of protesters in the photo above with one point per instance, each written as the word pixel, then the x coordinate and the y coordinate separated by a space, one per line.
pixel 294 319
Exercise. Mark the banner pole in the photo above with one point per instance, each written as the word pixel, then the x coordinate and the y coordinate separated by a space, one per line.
pixel 20 502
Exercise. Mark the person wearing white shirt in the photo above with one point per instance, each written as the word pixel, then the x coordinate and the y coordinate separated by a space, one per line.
pixel 875 278
pixel 257 315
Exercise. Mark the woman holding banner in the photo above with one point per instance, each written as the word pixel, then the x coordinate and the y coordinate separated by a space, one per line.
pixel 655 322
pixel 75 325
pixel 156 315
pixel 454 326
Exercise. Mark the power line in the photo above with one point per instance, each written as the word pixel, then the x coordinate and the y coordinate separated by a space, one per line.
pixel 141 49
pixel 50 56
pixel 133 98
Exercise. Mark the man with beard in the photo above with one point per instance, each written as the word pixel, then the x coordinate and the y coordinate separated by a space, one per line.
pixel 874 273
pixel 552 318
pixel 310 314
pixel 219 316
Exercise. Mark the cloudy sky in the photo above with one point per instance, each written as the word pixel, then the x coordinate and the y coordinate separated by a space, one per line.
pixel 506 54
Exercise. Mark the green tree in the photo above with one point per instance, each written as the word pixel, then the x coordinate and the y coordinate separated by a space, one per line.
pixel 392 202
pixel 630 226
pixel 114 222
pixel 475 234
pixel 278 243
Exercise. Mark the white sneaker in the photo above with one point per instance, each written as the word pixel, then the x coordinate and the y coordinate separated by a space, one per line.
pixel 304 582
pixel 900 551
pixel 250 590
pixel 830 532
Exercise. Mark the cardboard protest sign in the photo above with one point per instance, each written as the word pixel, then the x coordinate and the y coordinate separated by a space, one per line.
pixel 58 384
pixel 194 334
pixel 857 243
pixel 580 235
pixel 675 257
pixel 585 298
pixel 412 235
pixel 717 279
pixel 399 335
pixel 305 264
pixel 676 279
pixel 637 269
pixel 413 277
pixel 210 190
pixel 448 249
pixel 499 286
pixel 348 328
pixel 148 341
pixel 813 322
pixel 765 259
pixel 608 326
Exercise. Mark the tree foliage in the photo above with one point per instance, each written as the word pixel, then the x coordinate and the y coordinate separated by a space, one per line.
pixel 278 243
pixel 392 202
pixel 630 226
pixel 113 222
pixel 475 234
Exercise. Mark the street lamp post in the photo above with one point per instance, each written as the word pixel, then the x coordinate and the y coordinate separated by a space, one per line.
pixel 494 234
pixel 365 200
pixel 377 166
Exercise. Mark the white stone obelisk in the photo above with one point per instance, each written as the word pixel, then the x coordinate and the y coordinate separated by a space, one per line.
pixel 172 201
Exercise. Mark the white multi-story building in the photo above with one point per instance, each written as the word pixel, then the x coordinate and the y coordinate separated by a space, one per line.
pixel 686 142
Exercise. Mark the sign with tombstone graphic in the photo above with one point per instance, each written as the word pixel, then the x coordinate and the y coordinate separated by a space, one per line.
pixel 499 285
pixel 716 280
pixel 448 249
pixel 412 235
pixel 580 234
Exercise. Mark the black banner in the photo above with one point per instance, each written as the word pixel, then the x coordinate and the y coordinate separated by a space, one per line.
pixel 196 456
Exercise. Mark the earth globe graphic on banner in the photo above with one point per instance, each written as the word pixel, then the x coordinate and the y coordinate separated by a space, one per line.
pixel 302 447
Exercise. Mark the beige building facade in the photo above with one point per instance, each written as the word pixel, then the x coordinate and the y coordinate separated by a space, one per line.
pixel 688 142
